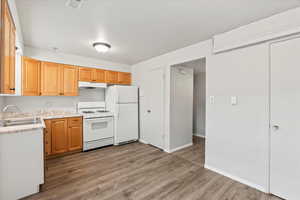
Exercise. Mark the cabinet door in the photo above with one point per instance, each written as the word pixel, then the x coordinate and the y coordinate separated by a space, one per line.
pixel 8 54
pixel 111 77
pixel 31 70
pixel 50 79
pixel 47 136
pixel 124 78
pixel 74 134
pixel 59 134
pixel 85 74
pixel 99 75
pixel 12 56
pixel 69 80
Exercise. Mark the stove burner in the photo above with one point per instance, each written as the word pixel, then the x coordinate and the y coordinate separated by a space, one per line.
pixel 88 112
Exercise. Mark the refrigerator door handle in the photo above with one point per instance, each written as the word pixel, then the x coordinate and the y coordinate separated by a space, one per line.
pixel 118 96
pixel 117 111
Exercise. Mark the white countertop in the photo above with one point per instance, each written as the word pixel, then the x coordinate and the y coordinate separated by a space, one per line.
pixel 42 115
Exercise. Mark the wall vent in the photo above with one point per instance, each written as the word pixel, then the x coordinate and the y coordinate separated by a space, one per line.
pixel 75 3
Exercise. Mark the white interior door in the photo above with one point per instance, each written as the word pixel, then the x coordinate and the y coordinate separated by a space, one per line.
pixel 285 119
pixel 154 116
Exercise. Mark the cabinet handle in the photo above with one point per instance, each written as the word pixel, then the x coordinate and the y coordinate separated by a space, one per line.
pixel 12 89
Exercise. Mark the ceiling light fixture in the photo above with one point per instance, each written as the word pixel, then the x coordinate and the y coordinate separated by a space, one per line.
pixel 101 47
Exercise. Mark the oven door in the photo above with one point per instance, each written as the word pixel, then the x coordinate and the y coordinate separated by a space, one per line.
pixel 98 128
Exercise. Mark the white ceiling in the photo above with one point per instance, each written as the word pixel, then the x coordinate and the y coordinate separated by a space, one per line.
pixel 136 29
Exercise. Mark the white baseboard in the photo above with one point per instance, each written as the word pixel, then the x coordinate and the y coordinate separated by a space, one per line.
pixel 143 141
pixel 238 179
pixel 179 148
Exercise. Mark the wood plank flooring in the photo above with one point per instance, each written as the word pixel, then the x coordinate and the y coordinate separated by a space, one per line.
pixel 138 171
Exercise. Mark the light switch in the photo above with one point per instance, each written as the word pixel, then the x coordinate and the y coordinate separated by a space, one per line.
pixel 211 99
pixel 234 100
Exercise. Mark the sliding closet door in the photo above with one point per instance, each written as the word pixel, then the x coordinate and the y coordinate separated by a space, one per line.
pixel 285 119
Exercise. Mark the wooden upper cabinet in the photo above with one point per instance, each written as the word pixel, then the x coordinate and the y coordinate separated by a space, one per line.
pixel 111 77
pixel 124 78
pixel 31 70
pixel 85 74
pixel 50 79
pixel 69 85
pixel 74 133
pixel 91 75
pixel 12 57
pixel 99 76
pixel 7 48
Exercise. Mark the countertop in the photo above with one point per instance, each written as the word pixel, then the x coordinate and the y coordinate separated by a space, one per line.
pixel 42 115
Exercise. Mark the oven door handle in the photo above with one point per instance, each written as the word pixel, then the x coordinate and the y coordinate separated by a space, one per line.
pixel 95 120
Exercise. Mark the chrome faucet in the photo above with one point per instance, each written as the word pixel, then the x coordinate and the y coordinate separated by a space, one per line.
pixel 11 106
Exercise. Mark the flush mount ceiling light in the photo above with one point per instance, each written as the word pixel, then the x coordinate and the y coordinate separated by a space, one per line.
pixel 101 47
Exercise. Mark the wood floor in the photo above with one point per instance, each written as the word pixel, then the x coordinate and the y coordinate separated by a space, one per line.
pixel 138 171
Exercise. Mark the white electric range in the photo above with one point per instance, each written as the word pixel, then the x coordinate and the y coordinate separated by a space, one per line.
pixel 98 125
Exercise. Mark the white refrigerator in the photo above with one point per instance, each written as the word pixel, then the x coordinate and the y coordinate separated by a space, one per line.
pixel 123 102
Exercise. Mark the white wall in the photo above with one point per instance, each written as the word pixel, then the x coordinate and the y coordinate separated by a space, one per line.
pixel 181 108
pixel 33 104
pixel 51 56
pixel 237 136
pixel 199 104
pixel 139 72
pixel 276 26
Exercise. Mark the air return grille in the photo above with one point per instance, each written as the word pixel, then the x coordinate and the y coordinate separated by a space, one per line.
pixel 75 3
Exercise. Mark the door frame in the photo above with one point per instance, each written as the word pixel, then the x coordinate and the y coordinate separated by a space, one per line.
pixel 270 43
pixel 168 97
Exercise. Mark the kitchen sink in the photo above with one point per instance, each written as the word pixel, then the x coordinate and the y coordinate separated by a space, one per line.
pixel 19 122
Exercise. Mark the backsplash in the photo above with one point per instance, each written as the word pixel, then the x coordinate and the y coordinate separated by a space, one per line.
pixel 2 103
pixel 37 103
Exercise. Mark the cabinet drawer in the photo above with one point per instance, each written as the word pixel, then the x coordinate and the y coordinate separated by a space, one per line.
pixel 75 121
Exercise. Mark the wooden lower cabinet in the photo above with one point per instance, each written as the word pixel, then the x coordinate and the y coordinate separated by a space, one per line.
pixel 47 138
pixel 62 136
pixel 59 135
pixel 74 134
